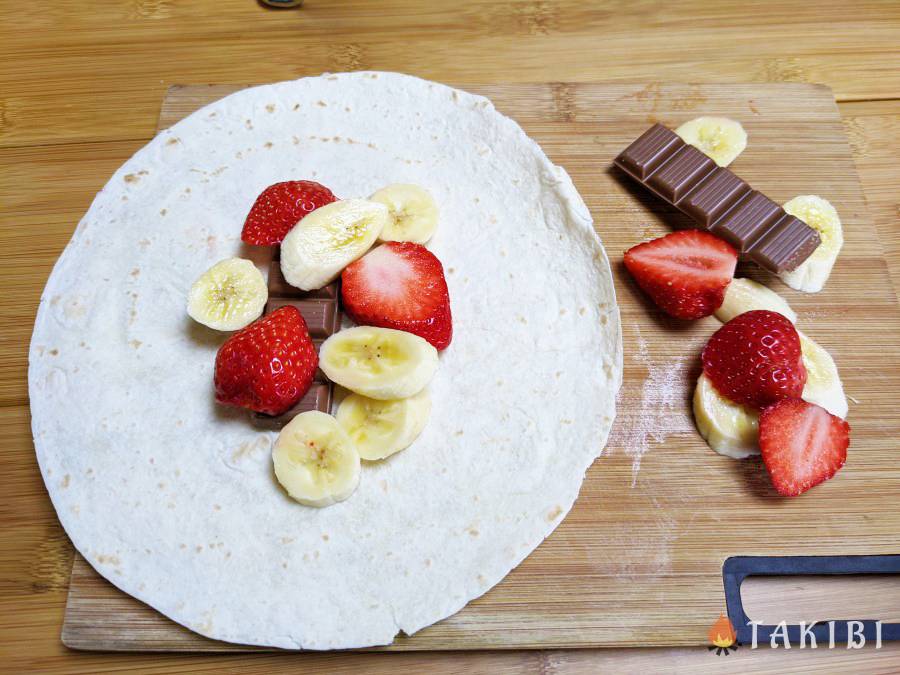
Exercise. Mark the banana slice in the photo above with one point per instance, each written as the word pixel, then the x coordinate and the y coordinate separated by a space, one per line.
pixel 315 460
pixel 229 295
pixel 810 276
pixel 744 295
pixel 719 138
pixel 381 428
pixel 823 384
pixel 379 363
pixel 729 429
pixel 328 239
pixel 413 213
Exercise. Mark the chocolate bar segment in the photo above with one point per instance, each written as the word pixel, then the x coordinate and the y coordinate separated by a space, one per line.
pixel 317 398
pixel 718 200
pixel 321 311
pixel 680 174
pixel 648 152
pixel 714 197
pixel 321 316
pixel 787 243
pixel 748 221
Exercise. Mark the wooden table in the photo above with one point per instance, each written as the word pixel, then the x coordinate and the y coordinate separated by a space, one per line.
pixel 80 86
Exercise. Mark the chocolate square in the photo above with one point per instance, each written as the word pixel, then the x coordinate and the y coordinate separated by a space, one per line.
pixel 787 243
pixel 317 398
pixel 650 151
pixel 681 173
pixel 748 221
pixel 714 197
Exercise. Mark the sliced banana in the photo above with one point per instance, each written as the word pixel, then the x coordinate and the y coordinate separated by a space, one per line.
pixel 315 460
pixel 810 276
pixel 379 363
pixel 381 428
pixel 823 384
pixel 413 213
pixel 744 295
pixel 328 239
pixel 229 295
pixel 719 138
pixel 729 429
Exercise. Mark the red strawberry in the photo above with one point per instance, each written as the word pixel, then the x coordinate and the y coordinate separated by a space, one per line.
pixel 802 445
pixel 281 206
pixel 399 285
pixel 755 359
pixel 267 366
pixel 685 273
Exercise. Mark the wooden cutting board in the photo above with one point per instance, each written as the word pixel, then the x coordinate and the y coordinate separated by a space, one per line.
pixel 638 560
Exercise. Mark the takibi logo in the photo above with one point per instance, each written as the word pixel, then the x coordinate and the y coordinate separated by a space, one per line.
pixel 722 636
pixel 855 634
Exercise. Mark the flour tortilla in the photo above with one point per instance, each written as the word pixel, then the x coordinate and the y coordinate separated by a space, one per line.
pixel 172 498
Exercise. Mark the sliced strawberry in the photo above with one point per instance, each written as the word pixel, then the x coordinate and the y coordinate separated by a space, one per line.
pixel 755 359
pixel 399 285
pixel 802 445
pixel 685 273
pixel 267 366
pixel 281 206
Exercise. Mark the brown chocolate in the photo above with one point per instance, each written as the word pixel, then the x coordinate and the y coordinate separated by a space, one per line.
pixel 649 151
pixel 718 200
pixel 321 316
pixel 680 174
pixel 317 398
pixel 782 244
pixel 742 226
pixel 714 197
pixel 321 311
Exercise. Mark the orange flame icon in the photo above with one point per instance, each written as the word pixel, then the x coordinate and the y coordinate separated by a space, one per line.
pixel 721 633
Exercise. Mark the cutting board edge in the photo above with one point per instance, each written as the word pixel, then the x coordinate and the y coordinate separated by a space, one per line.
pixel 71 640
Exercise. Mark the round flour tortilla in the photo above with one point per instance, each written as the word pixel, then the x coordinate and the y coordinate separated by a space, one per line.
pixel 172 497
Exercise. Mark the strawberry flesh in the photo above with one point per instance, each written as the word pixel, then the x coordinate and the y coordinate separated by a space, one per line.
pixel 267 366
pixel 400 285
pixel 802 445
pixel 755 359
pixel 281 206
pixel 685 273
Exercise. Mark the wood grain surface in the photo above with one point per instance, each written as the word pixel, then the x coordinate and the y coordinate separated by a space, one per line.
pixel 638 561
pixel 80 85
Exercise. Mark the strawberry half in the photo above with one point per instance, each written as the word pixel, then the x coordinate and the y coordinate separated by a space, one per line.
pixel 399 285
pixel 755 359
pixel 685 273
pixel 802 445
pixel 281 206
pixel 267 366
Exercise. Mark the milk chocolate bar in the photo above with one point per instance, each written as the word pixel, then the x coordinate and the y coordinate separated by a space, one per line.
pixel 718 200
pixel 321 311
pixel 317 398
pixel 321 316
